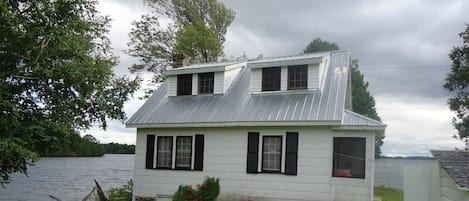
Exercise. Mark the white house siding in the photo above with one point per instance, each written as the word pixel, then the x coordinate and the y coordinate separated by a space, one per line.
pixel 195 83
pixel 218 82
pixel 283 78
pixel 225 157
pixel 256 79
pixel 172 85
pixel 421 181
pixel 313 76
pixel 449 189
pixel 229 77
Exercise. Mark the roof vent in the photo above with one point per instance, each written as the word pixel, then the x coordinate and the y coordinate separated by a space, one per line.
pixel 340 70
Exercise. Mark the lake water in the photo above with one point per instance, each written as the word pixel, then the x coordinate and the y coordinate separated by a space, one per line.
pixel 69 178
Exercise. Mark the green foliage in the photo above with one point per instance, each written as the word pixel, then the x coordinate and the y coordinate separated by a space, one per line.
pixel 116 148
pixel 122 194
pixel 207 191
pixel 71 145
pixel 388 194
pixel 184 193
pixel 362 101
pixel 457 82
pixel 15 158
pixel 319 45
pixel 196 35
pixel 56 74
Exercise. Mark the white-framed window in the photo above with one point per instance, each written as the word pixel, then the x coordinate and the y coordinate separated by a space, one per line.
pixel 184 84
pixel 271 79
pixel 175 152
pixel 271 153
pixel 164 152
pixel 183 152
pixel 297 77
pixel 206 82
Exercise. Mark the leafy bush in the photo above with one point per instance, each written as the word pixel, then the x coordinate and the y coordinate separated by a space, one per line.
pixel 122 194
pixel 207 191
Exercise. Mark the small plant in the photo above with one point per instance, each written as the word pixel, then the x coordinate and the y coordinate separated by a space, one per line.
pixel 207 191
pixel 122 194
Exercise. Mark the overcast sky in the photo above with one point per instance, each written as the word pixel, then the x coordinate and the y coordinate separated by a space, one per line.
pixel 402 47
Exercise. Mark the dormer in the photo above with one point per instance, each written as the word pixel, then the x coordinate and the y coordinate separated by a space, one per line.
pixel 288 74
pixel 202 79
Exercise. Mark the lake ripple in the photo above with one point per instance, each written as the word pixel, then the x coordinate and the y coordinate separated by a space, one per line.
pixel 69 178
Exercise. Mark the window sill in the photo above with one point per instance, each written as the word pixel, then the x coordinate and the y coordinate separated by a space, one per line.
pixel 281 92
pixel 162 168
pixel 270 172
pixel 349 177
pixel 175 169
pixel 191 95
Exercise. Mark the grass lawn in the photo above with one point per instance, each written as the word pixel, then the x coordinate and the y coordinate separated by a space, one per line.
pixel 389 194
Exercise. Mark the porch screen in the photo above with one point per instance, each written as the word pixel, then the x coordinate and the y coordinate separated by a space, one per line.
pixel 349 157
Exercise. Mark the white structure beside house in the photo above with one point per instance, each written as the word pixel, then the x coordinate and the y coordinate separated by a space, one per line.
pixel 447 179
pixel 270 129
pixel 454 174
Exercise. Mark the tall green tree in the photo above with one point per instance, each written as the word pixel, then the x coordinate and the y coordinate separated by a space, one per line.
pixel 457 82
pixel 196 35
pixel 362 101
pixel 319 45
pixel 55 77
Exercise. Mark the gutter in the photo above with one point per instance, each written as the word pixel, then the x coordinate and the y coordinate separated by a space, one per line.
pixel 235 124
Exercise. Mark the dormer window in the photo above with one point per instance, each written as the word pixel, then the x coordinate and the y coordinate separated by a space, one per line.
pixel 206 82
pixel 184 84
pixel 271 79
pixel 297 77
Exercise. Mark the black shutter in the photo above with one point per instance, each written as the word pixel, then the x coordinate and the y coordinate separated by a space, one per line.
pixel 291 156
pixel 150 151
pixel 199 152
pixel 253 149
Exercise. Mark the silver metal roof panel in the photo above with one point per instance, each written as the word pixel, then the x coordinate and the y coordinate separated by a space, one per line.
pixel 355 119
pixel 239 107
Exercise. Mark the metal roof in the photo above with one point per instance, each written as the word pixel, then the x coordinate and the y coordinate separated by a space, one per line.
pixel 239 107
pixel 355 119
pixel 456 164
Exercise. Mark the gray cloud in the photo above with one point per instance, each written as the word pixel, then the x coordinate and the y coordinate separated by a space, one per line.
pixel 402 47
pixel 382 34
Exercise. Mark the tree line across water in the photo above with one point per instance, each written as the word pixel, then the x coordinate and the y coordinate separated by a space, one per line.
pixel 86 146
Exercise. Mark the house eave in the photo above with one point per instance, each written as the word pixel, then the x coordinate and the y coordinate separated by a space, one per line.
pixel 192 70
pixel 235 124
pixel 261 64
pixel 370 128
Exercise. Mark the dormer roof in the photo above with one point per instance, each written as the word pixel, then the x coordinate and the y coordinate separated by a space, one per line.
pixel 310 58
pixel 239 107
pixel 205 67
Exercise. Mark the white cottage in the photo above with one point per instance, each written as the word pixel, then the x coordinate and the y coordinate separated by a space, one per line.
pixel 271 129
